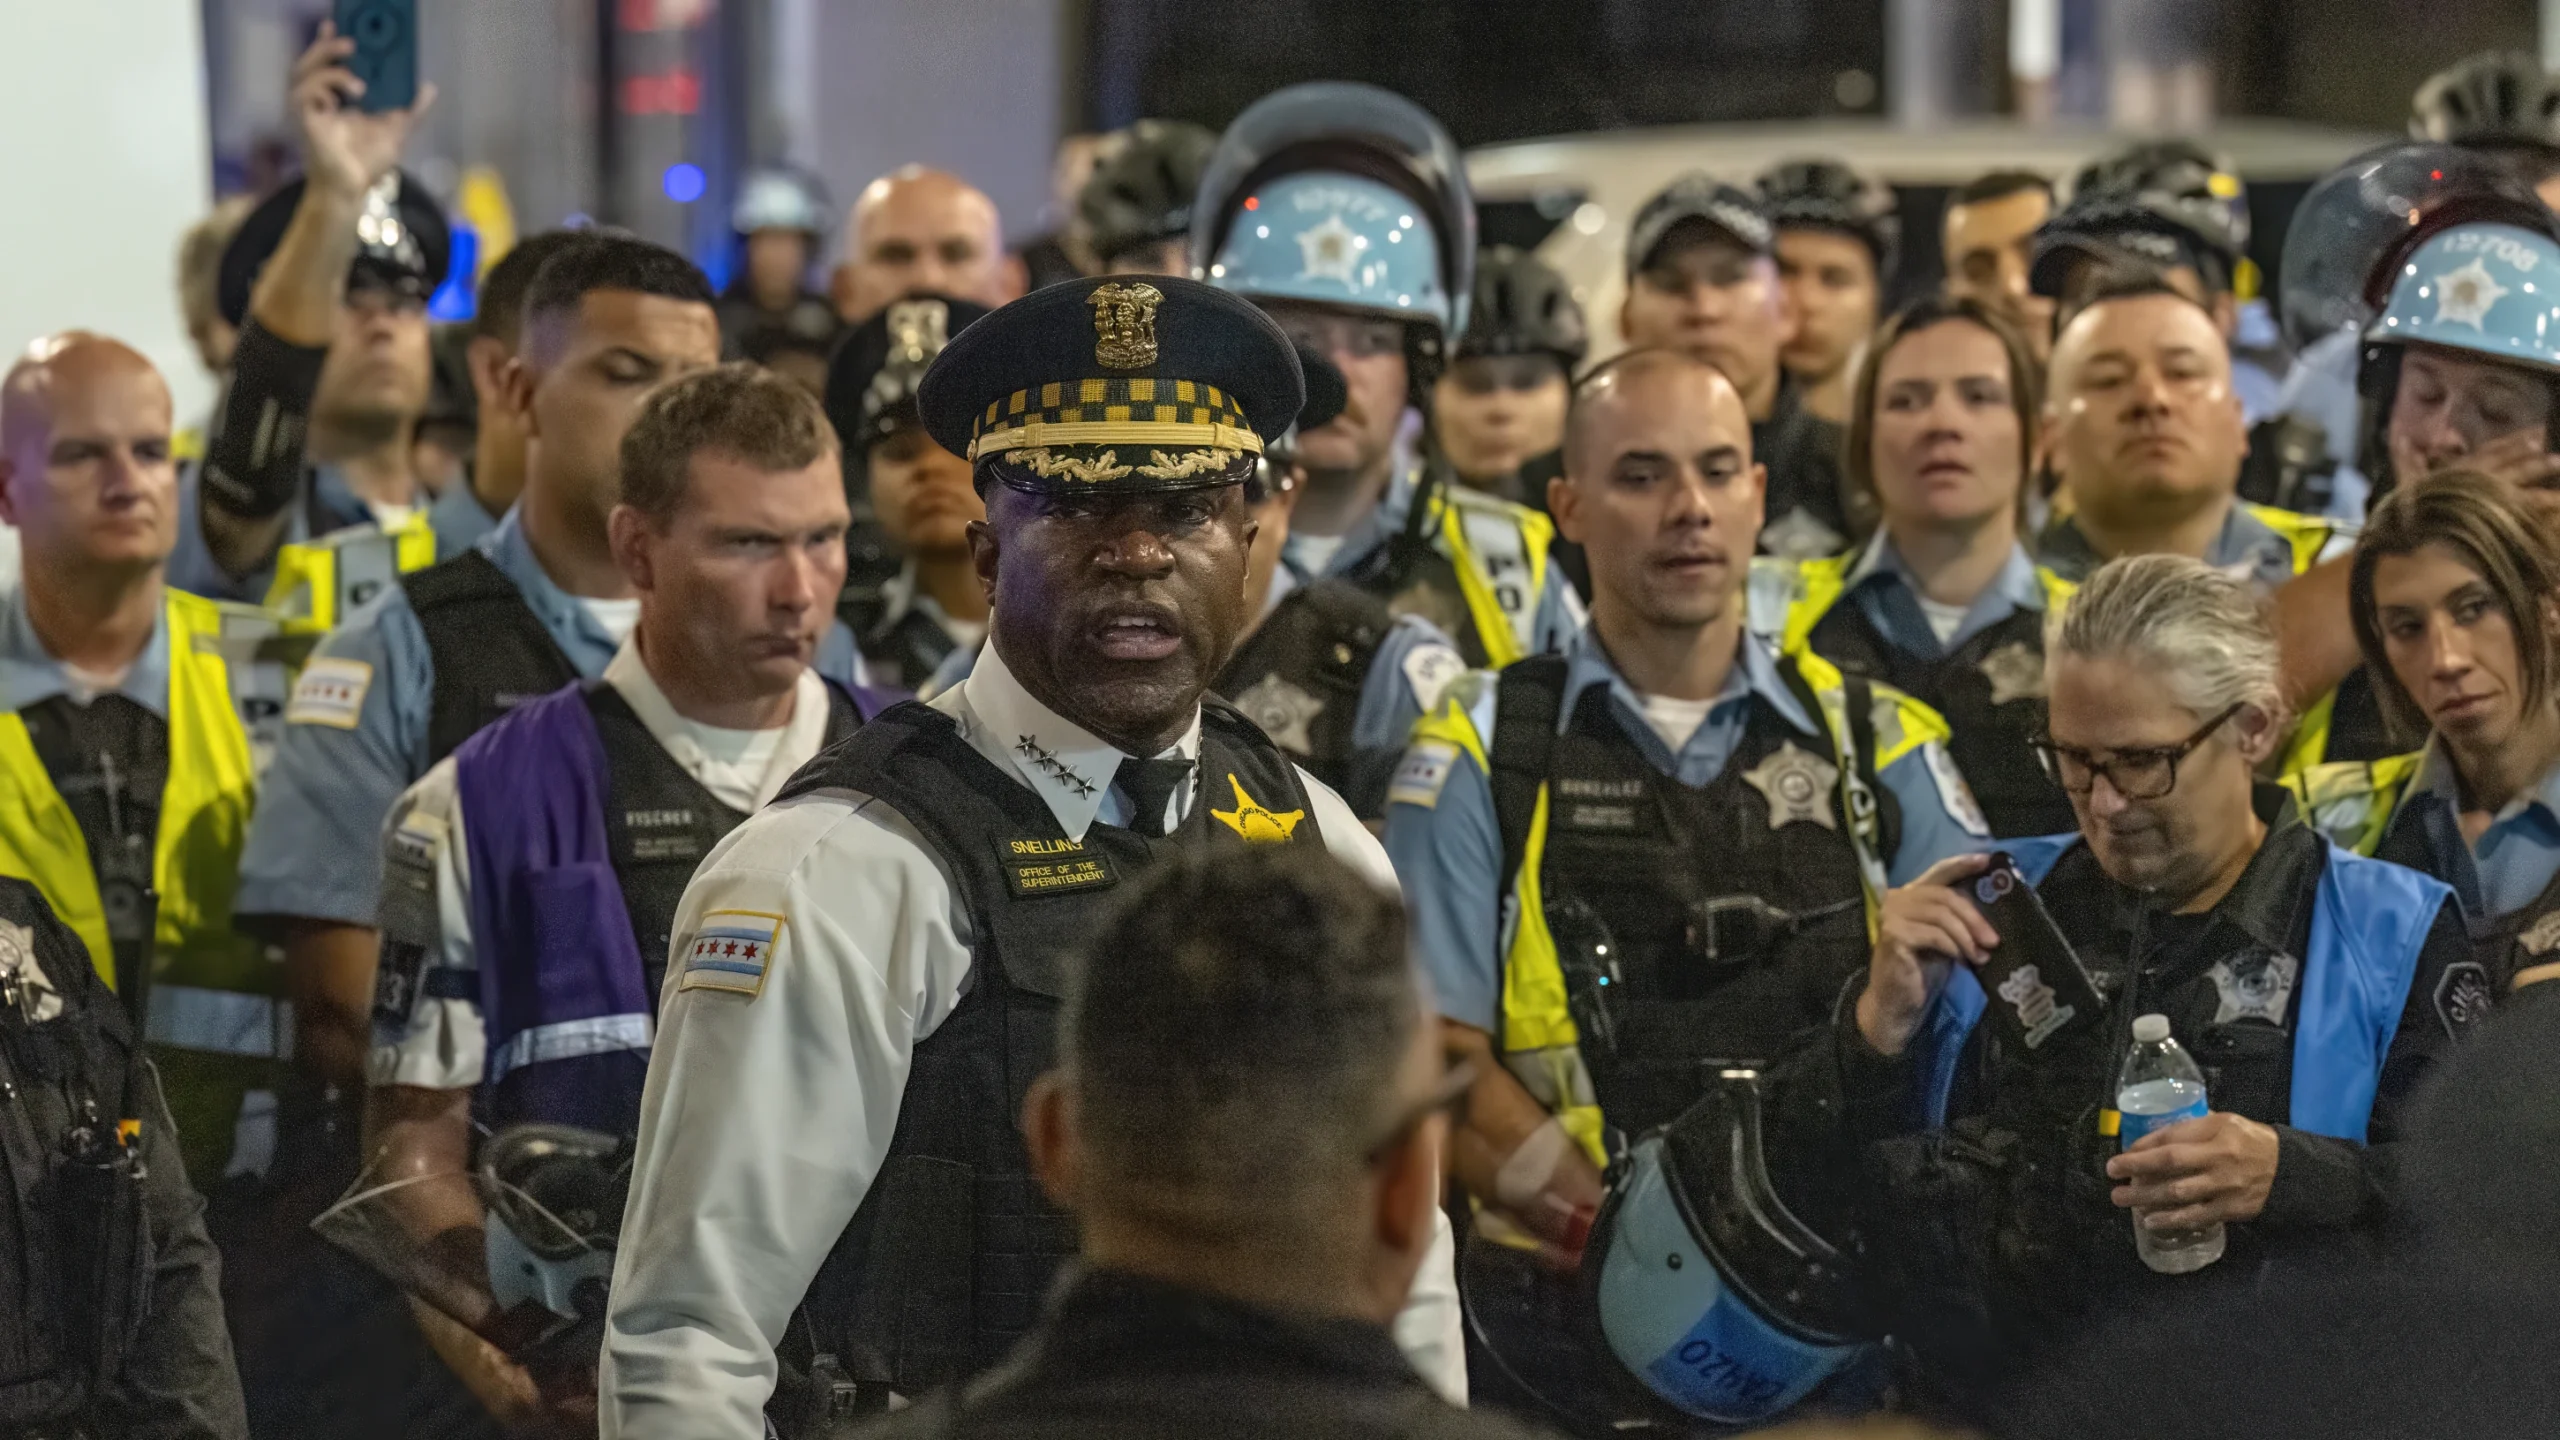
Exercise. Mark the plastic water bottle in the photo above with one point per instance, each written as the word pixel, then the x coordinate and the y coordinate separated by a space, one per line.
pixel 2158 1087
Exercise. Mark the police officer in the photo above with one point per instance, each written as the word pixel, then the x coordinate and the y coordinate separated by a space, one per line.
pixel 494 475
pixel 1135 208
pixel 1497 415
pixel 1702 276
pixel 1342 210
pixel 134 719
pixel 866 972
pixel 119 1327
pixel 1689 827
pixel 1944 604
pixel 2341 266
pixel 920 494
pixel 1989 242
pixel 2460 370
pixel 2143 428
pixel 1838 241
pixel 537 604
pixel 495 1005
pixel 2451 587
pixel 1239 1017
pixel 331 371
pixel 781 221
pixel 2165 207
pixel 921 232
pixel 2302 979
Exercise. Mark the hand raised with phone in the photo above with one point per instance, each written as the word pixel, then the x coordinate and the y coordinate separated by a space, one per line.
pixel 346 149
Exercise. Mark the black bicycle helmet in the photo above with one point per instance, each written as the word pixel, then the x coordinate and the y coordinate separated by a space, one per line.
pixel 1523 307
pixel 2496 98
pixel 1142 191
pixel 1831 195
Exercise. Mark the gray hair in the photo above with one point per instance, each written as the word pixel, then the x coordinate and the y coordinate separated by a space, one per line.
pixel 2205 633
pixel 1234 1033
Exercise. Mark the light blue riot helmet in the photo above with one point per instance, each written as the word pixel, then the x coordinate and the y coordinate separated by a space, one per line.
pixel 1347 195
pixel 2351 221
pixel 781 199
pixel 1701 1296
pixel 2489 288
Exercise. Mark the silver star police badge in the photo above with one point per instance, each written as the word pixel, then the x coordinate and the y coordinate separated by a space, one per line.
pixel 1330 249
pixel 2016 672
pixel 23 985
pixel 1283 711
pixel 1797 786
pixel 2255 985
pixel 1797 535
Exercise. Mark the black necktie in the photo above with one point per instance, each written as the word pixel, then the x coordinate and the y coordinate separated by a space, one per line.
pixel 1150 786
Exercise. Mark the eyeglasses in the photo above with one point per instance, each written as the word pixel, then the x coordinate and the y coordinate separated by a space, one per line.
pixel 1446 1095
pixel 2133 774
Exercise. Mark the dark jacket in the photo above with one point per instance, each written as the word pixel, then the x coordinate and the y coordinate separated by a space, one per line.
pixel 1992 1239
pixel 176 1376
pixel 1121 1356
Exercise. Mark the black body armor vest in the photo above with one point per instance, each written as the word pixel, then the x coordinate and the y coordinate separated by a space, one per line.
pixel 1636 861
pixel 947 1260
pixel 1299 675
pixel 659 822
pixel 490 651
pixel 2500 945
pixel 1990 691
pixel 75 1246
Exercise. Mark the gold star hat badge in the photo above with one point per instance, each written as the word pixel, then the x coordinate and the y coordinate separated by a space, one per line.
pixel 1258 824
pixel 1124 384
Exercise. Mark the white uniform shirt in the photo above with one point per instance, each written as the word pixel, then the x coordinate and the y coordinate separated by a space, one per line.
pixel 775 1085
pixel 441 1044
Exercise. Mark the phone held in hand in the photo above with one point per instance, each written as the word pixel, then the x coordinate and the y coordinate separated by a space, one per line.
pixel 386 59
pixel 2036 984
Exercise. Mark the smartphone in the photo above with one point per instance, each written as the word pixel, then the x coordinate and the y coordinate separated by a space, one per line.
pixel 386 58
pixel 2038 989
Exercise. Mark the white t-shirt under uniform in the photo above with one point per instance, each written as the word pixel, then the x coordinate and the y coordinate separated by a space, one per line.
pixel 443 1045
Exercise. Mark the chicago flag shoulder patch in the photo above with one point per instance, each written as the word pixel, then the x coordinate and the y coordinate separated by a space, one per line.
pixel 732 951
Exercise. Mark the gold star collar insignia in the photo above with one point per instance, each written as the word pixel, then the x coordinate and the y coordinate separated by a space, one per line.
pixel 1258 825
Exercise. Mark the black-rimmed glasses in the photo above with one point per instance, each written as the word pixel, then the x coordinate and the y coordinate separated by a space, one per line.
pixel 2133 774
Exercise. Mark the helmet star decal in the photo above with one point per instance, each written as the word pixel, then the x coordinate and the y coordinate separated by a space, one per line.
pixel 2464 295
pixel 1255 823
pixel 1330 248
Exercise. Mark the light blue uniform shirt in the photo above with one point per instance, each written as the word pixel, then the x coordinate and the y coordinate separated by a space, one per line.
pixel 2512 862
pixel 193 568
pixel 1449 853
pixel 1884 587
pixel 29 674
pixel 2244 547
pixel 314 847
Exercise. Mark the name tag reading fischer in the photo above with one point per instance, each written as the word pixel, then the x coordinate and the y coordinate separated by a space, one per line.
pixel 1054 866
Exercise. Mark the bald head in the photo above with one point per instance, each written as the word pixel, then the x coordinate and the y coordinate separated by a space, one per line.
pixel 85 468
pixel 918 231
pixel 1660 489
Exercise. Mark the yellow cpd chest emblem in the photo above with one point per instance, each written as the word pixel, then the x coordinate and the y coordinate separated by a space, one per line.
pixel 1124 325
pixel 1256 824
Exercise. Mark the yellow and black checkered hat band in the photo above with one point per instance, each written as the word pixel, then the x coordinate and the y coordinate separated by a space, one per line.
pixel 1169 413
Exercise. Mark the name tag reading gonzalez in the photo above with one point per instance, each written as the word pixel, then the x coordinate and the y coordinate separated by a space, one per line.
pixel 1054 866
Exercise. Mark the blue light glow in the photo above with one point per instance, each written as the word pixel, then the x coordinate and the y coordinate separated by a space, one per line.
pixel 683 182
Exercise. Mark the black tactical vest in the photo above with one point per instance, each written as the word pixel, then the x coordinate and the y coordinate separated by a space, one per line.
pixel 1990 691
pixel 659 822
pixel 2500 945
pixel 490 650
pixel 1299 674
pixel 109 761
pixel 75 1247
pixel 1633 859
pixel 903 652
pixel 946 1262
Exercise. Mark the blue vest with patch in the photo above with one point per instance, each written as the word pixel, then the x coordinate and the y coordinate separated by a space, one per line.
pixel 2369 921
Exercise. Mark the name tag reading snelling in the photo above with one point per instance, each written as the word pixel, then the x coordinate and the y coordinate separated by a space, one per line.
pixel 1054 866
